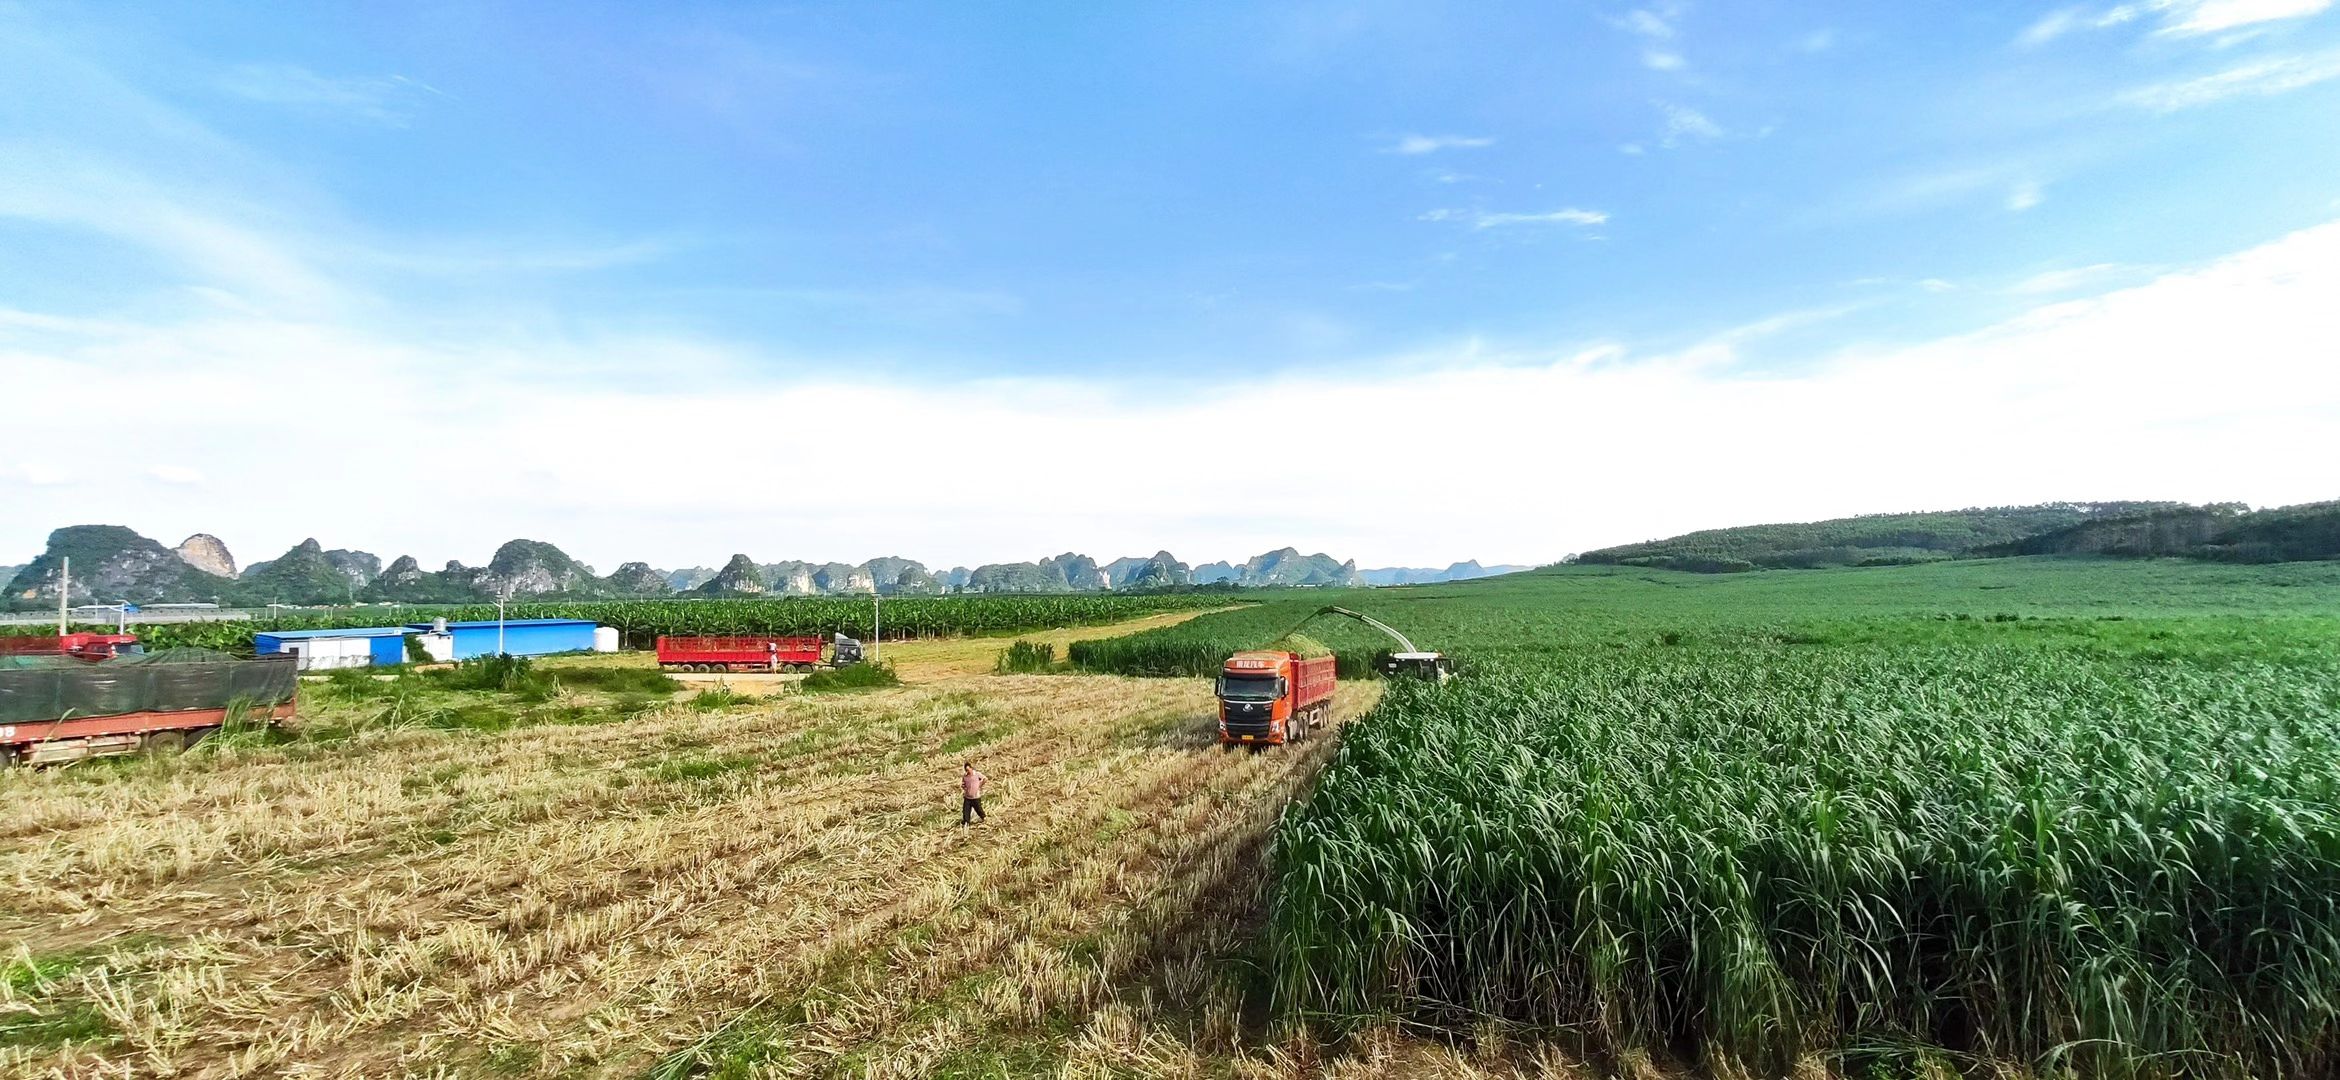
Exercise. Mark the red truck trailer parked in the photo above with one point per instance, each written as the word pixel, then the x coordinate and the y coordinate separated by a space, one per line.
pixel 77 646
pixel 53 711
pixel 1271 698
pixel 749 653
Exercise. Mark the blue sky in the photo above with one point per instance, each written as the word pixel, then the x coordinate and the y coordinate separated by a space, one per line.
pixel 482 226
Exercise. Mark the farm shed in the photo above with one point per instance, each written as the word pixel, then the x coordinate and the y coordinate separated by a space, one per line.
pixel 320 650
pixel 522 637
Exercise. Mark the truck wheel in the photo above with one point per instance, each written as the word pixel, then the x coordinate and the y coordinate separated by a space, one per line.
pixel 196 736
pixel 164 742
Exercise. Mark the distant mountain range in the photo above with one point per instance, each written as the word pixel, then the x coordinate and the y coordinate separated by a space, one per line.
pixel 2229 532
pixel 1461 571
pixel 112 563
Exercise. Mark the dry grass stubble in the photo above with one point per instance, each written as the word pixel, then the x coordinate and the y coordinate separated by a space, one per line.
pixel 781 889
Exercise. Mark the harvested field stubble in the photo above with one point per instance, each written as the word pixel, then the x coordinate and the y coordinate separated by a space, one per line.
pixel 780 886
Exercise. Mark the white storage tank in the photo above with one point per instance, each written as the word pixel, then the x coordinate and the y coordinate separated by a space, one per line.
pixel 605 639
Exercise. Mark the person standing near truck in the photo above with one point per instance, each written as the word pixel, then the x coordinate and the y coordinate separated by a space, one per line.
pixel 971 782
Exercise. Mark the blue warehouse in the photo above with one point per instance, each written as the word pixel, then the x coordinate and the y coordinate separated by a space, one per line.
pixel 368 646
pixel 522 637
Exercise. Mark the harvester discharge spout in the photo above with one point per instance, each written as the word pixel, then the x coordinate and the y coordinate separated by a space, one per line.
pixel 1407 659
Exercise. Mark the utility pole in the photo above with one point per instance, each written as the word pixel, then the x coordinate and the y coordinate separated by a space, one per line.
pixel 504 595
pixel 64 589
pixel 876 631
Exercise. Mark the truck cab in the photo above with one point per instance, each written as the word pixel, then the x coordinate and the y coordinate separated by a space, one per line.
pixel 1268 698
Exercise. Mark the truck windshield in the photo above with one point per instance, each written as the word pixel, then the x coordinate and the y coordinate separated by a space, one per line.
pixel 1248 687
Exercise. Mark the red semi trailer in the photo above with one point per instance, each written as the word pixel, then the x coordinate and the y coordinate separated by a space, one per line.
pixel 77 646
pixel 739 653
pixel 1268 698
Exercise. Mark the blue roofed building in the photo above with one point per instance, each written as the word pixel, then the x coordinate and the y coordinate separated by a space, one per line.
pixel 322 650
pixel 520 637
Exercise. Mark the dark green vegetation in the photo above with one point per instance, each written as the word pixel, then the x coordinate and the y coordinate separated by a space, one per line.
pixel 492 693
pixel 853 677
pixel 640 622
pixel 2223 531
pixel 49 1003
pixel 1026 658
pixel 2079 815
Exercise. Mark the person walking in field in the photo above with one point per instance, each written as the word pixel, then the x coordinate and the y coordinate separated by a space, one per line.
pixel 971 794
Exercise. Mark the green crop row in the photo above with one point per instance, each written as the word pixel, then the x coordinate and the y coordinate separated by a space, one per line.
pixel 640 622
pixel 2079 816
pixel 2112 866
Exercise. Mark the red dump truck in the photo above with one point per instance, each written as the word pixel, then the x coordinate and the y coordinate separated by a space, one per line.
pixel 1269 698
pixel 737 653
pixel 77 646
pixel 56 710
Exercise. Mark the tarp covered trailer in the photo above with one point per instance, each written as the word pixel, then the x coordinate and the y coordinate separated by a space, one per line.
pixel 53 711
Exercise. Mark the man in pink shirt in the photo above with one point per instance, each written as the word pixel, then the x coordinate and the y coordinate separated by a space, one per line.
pixel 971 795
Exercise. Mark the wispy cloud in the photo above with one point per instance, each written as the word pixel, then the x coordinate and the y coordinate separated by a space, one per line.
pixel 1650 22
pixel 2014 186
pixel 2066 280
pixel 2260 78
pixel 382 99
pixel 1431 144
pixel 1484 219
pixel 175 474
pixel 1661 60
pixel 2213 16
pixel 35 474
pixel 2177 18
pixel 1684 123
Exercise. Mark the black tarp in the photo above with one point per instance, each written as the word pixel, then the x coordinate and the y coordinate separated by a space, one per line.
pixel 175 681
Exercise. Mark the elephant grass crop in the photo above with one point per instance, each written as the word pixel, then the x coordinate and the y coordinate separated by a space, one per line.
pixel 2092 866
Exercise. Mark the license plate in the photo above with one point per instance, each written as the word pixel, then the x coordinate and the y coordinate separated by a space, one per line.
pixel 1247 738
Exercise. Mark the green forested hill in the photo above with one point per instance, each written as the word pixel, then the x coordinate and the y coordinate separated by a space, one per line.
pixel 1867 540
pixel 2227 532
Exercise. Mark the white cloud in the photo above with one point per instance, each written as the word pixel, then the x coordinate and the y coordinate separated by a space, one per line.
pixel 175 474
pixel 2216 383
pixel 1482 219
pixel 2024 195
pixel 2261 78
pixel 390 99
pixel 2069 279
pixel 1684 122
pixel 2178 18
pixel 1661 60
pixel 2051 26
pixel 1818 41
pixel 1649 23
pixel 2212 16
pixel 37 474
pixel 1937 285
pixel 1430 144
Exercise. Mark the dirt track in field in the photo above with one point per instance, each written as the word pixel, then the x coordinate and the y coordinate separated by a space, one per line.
pixel 780 889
